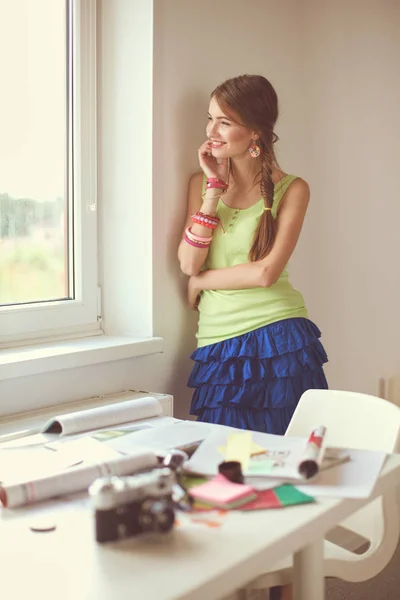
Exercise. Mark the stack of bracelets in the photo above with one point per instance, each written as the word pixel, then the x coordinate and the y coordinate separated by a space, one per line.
pixel 209 221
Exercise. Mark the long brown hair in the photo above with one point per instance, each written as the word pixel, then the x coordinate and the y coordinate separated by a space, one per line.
pixel 253 99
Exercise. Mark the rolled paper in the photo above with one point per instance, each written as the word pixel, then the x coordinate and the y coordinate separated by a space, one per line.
pixel 74 480
pixel 312 456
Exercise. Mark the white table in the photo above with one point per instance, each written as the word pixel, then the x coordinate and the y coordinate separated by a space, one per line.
pixel 193 563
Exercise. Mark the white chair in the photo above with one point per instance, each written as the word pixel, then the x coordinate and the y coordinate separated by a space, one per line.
pixel 358 421
pixel 389 389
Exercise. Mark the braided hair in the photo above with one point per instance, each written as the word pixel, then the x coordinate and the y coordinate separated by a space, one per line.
pixel 253 99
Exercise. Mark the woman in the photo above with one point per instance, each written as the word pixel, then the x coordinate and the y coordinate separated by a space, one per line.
pixel 257 350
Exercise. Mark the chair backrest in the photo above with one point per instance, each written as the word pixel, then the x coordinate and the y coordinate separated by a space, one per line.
pixel 389 389
pixel 356 420
pixel 352 419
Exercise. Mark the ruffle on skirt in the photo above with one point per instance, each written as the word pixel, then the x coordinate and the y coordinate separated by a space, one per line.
pixel 254 381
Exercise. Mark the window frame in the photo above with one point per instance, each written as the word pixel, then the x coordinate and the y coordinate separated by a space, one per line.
pixel 25 323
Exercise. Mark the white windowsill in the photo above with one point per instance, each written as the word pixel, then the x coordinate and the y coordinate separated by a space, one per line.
pixel 69 354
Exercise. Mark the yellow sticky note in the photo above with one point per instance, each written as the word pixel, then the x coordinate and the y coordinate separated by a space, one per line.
pixel 238 447
pixel 256 449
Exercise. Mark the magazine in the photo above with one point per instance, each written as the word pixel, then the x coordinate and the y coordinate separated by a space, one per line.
pixel 90 419
pixel 265 455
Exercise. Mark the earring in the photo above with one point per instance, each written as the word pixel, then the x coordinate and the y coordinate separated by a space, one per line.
pixel 254 150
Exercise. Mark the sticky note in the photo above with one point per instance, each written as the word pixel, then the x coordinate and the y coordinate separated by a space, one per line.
pixel 238 448
pixel 221 492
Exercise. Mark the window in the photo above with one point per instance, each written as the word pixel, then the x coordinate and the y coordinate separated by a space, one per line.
pixel 48 211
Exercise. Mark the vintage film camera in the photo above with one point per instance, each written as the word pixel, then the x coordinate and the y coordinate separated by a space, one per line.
pixel 127 506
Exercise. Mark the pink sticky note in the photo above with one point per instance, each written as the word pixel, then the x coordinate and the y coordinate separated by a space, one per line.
pixel 220 490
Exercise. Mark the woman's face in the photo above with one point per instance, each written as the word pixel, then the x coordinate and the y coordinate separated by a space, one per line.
pixel 228 139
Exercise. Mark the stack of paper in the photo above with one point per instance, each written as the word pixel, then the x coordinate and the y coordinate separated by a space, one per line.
pixel 346 472
pixel 221 493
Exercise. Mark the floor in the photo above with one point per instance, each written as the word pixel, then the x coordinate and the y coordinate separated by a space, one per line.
pixel 385 586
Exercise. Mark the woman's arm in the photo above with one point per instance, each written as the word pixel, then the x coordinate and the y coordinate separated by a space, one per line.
pixel 265 272
pixel 192 259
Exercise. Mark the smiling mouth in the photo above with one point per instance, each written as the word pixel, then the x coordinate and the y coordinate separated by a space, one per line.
pixel 217 144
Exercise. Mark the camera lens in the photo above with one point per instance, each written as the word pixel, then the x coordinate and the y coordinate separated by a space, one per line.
pixel 156 515
pixel 164 517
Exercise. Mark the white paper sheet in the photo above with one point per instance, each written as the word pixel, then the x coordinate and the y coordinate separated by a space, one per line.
pixel 31 463
pixel 16 465
pixel 353 479
pixel 164 437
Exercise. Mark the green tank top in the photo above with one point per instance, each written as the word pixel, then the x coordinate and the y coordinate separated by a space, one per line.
pixel 225 314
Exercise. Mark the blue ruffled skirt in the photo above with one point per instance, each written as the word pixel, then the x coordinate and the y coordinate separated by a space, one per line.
pixel 254 381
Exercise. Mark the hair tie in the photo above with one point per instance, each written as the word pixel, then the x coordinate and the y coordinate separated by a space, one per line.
pixel 267 208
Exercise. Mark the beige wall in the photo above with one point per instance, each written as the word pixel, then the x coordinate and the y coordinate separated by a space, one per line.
pixel 334 66
pixel 352 90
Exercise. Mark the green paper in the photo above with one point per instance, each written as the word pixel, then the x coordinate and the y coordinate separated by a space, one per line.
pixel 260 467
pixel 288 495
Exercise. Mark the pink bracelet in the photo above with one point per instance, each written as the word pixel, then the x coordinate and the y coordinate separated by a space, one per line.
pixel 215 182
pixel 195 244
pixel 197 238
pixel 198 244
pixel 192 239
